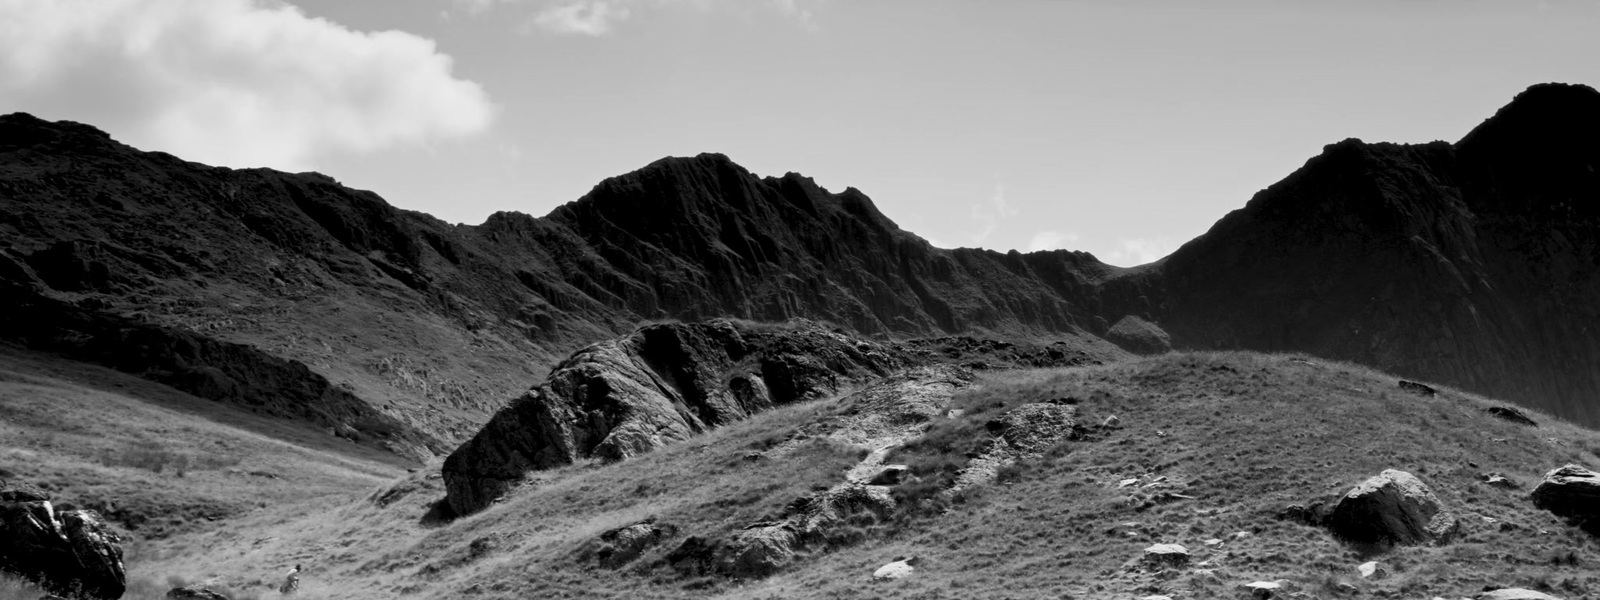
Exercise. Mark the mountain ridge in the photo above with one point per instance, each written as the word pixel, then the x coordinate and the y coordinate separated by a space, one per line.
pixel 1405 257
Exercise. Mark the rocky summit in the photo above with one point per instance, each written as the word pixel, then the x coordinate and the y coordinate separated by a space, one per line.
pixel 694 381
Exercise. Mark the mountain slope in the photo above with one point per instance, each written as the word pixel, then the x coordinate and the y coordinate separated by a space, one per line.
pixel 1474 263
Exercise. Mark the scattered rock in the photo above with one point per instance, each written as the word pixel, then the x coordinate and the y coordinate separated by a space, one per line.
pixel 890 475
pixel 1392 508
pixel 1213 542
pixel 1372 570
pixel 1417 388
pixel 899 569
pixel 1314 514
pixel 1499 481
pixel 1512 414
pixel 1515 594
pixel 1166 555
pixel 623 544
pixel 1263 590
pixel 193 592
pixel 1345 587
pixel 1573 493
pixel 1111 422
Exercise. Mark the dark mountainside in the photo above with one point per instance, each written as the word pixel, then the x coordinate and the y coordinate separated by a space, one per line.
pixel 1471 264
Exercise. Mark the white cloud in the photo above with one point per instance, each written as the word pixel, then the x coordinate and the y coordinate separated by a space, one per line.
pixel 989 214
pixel 1051 240
pixel 233 82
pixel 585 17
pixel 1139 251
pixel 600 17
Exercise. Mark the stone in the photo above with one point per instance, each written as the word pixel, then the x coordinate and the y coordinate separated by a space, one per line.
pixel 1111 422
pixel 193 593
pixel 1417 388
pixel 623 544
pixel 1499 481
pixel 1372 570
pixel 1515 594
pixel 1166 555
pixel 1571 492
pixel 1392 508
pixel 1264 590
pixel 1512 414
pixel 890 475
pixel 898 569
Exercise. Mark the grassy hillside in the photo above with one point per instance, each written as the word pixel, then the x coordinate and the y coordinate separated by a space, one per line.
pixel 1218 444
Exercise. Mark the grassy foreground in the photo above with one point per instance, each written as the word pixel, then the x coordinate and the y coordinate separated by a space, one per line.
pixel 1218 445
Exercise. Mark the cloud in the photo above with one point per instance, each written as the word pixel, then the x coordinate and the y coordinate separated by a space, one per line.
pixel 1139 251
pixel 989 214
pixel 1051 240
pixel 586 17
pixel 596 18
pixel 233 82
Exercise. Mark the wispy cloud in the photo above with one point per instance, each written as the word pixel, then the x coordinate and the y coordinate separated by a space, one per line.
pixel 232 82
pixel 601 17
pixel 988 215
pixel 1051 240
pixel 1138 251
pixel 586 17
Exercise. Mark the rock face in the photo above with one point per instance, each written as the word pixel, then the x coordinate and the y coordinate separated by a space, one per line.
pixel 71 552
pixel 662 384
pixel 1573 493
pixel 1393 508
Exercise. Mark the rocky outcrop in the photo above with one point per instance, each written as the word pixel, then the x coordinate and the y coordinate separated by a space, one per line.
pixel 662 384
pixel 1573 493
pixel 1512 414
pixel 1392 508
pixel 70 552
pixel 765 547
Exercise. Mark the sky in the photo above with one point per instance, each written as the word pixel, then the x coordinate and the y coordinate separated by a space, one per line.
pixel 1122 128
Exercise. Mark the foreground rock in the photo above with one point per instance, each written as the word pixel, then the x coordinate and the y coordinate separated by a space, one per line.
pixel 71 552
pixel 1515 594
pixel 899 569
pixel 1393 508
pixel 665 383
pixel 1573 493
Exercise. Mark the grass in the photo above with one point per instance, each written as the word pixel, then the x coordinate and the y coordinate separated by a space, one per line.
pixel 1239 436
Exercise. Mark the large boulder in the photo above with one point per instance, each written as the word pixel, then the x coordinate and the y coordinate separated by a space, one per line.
pixel 623 544
pixel 665 383
pixel 73 552
pixel 1515 594
pixel 1573 493
pixel 1393 508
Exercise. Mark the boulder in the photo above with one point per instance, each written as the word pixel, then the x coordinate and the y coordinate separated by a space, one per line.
pixel 758 551
pixel 623 544
pixel 71 552
pixel 1417 388
pixel 899 569
pixel 1515 594
pixel 193 592
pixel 1372 570
pixel 1166 555
pixel 1499 481
pixel 1573 493
pixel 1392 508
pixel 1512 414
pixel 1263 590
